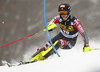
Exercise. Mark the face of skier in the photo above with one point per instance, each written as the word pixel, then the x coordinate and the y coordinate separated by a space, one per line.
pixel 64 16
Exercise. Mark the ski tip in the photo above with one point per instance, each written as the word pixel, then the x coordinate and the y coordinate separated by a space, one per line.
pixel 8 65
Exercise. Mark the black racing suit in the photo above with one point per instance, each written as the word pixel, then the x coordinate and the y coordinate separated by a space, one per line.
pixel 67 36
pixel 69 31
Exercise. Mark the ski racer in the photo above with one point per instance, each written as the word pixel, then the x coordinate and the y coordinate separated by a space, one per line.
pixel 70 27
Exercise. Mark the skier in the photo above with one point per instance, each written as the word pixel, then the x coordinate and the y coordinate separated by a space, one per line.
pixel 70 27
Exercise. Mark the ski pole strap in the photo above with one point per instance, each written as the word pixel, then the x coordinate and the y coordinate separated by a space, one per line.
pixel 47 28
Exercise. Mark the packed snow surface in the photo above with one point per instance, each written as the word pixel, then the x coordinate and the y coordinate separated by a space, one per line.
pixel 75 62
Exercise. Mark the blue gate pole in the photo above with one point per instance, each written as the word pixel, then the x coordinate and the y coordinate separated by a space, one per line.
pixel 47 28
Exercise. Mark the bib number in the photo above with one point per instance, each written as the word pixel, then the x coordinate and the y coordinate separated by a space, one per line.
pixel 66 32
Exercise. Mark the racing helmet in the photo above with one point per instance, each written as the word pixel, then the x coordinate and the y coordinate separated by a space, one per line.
pixel 64 8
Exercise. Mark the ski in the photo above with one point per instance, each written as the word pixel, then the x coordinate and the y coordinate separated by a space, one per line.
pixel 21 63
pixel 10 65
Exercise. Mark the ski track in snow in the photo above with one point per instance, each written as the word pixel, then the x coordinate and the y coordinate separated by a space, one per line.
pixel 73 60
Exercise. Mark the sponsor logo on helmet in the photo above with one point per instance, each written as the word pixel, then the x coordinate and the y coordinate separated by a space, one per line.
pixel 69 7
pixel 62 6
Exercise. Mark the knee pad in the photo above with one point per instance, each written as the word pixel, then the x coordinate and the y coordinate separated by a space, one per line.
pixel 67 46
pixel 48 45
pixel 63 43
pixel 50 51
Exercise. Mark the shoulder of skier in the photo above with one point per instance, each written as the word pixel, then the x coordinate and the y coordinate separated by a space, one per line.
pixel 78 25
pixel 55 19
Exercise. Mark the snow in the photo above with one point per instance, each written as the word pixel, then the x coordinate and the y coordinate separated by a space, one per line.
pixel 75 62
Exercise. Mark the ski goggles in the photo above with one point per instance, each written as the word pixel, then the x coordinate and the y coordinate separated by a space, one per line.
pixel 63 12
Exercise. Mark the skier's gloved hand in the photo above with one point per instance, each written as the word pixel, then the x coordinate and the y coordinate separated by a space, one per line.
pixel 50 30
pixel 87 48
pixel 51 26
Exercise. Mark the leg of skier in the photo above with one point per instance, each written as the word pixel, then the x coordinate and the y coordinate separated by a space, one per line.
pixel 58 41
pixel 47 50
pixel 43 53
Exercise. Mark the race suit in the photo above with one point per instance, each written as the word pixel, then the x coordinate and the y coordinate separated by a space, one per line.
pixel 69 31
pixel 65 39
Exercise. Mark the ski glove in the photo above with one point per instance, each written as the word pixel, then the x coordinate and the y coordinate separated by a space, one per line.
pixel 51 26
pixel 87 48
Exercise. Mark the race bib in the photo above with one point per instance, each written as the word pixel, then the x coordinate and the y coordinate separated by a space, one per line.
pixel 65 32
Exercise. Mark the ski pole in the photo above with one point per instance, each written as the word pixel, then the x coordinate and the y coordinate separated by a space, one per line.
pixel 23 38
pixel 97 48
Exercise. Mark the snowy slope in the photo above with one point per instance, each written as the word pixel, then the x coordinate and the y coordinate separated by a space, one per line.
pixel 76 62
pixel 73 60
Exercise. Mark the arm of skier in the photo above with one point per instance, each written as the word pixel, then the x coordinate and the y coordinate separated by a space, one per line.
pixel 83 33
pixel 52 24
